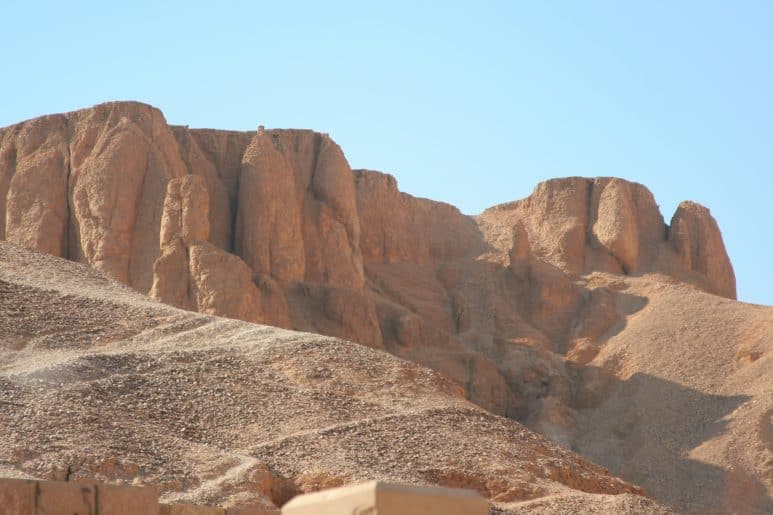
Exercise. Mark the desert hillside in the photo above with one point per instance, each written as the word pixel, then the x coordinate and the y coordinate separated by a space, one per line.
pixel 577 311
pixel 101 382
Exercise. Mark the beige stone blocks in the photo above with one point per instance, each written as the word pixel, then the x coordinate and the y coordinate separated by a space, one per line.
pixel 29 497
pixel 18 496
pixel 388 499
pixel 66 498
pixel 127 500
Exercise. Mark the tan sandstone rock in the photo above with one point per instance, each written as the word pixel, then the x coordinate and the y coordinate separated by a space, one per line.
pixel 616 227
pixel 34 171
pixel 222 284
pixel 330 222
pixel 195 274
pixel 122 156
pixel 517 305
pixel 220 203
pixel 397 227
pixel 268 228
pixel 695 236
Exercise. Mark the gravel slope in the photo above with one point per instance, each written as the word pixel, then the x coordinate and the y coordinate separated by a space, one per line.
pixel 98 381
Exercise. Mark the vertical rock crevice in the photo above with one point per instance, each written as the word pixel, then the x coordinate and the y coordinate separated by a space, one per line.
pixel 68 194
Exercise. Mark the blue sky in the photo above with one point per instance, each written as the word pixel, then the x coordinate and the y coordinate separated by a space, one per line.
pixel 469 104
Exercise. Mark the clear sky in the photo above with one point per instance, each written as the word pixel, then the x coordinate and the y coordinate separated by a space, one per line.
pixel 471 103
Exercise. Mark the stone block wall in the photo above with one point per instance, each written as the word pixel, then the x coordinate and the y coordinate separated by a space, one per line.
pixel 31 497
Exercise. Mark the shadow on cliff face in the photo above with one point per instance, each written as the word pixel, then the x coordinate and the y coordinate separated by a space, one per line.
pixel 644 430
pixel 488 338
pixel 499 323
pixel 602 315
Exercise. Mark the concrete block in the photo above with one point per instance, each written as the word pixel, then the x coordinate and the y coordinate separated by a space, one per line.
pixel 66 498
pixel 388 499
pixel 194 509
pixel 17 496
pixel 127 500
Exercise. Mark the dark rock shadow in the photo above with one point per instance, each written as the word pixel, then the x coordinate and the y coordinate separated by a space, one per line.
pixel 643 430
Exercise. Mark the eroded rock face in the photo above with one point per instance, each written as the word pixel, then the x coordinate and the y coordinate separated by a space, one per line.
pixel 273 226
pixel 268 227
pixel 695 236
pixel 193 273
pixel 581 225
pixel 34 169
pixel 330 222
pixel 399 228
pixel 221 205
pixel 121 157
pixel 222 285
pixel 520 306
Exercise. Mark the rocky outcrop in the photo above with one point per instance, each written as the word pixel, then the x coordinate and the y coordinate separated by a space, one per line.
pixel 273 226
pixel 184 224
pixel 192 273
pixel 525 306
pixel 34 170
pixel 121 157
pixel 581 225
pixel 268 220
pixel 399 228
pixel 627 224
pixel 695 236
pixel 297 217
pixel 221 201
pixel 330 225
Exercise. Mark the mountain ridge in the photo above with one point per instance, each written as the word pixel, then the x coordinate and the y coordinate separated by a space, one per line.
pixel 528 305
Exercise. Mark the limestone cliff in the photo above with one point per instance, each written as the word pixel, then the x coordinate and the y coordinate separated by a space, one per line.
pixel 529 306
pixel 273 226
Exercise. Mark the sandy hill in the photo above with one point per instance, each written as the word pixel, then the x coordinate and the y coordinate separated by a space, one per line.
pixel 577 311
pixel 101 382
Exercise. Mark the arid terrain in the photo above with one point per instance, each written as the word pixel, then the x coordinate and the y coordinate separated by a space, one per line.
pixel 101 382
pixel 577 312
